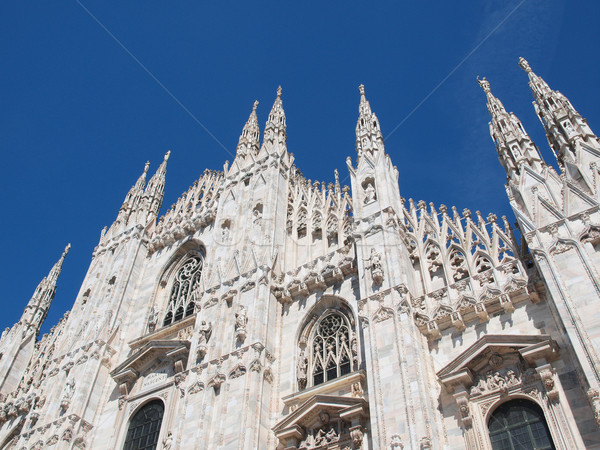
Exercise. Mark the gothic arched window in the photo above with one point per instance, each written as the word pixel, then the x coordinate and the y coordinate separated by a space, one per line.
pixel 519 424
pixel 331 354
pixel 144 427
pixel 183 293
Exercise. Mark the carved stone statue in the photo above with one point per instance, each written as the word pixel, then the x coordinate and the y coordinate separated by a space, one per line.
pixel 302 369
pixel 490 381
pixel 68 393
pixel 204 333
pixel 168 441
pixel 241 319
pixel 225 233
pixel 152 320
pixel 369 193
pixel 376 267
pixel 203 337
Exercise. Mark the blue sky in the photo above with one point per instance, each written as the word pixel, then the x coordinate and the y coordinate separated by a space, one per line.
pixel 80 116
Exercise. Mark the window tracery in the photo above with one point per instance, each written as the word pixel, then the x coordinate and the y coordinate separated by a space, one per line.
pixel 183 293
pixel 331 351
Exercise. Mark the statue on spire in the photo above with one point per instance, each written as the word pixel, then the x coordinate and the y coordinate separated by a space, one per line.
pixel 524 65
pixel 485 85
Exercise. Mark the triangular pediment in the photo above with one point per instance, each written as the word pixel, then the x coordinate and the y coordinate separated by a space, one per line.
pixel 147 355
pixel 308 413
pixel 543 346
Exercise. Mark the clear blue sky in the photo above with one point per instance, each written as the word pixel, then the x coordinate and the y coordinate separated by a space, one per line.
pixel 79 117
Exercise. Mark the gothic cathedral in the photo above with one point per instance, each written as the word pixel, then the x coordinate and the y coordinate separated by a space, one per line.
pixel 266 311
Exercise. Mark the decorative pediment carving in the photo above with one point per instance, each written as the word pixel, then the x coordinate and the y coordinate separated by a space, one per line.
pixel 322 420
pixel 496 361
pixel 151 355
pixel 496 366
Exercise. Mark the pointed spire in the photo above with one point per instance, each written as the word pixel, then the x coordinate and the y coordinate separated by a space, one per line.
pixel 565 128
pixel 538 86
pixel 250 137
pixel 368 133
pixel 141 182
pixel 156 188
pixel 275 129
pixel 57 269
pixel 38 305
pixel 513 144
pixel 133 196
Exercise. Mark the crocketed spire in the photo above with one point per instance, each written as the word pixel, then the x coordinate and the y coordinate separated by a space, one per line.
pixel 513 144
pixel 565 128
pixel 368 133
pixel 156 188
pixel 250 137
pixel 38 305
pixel 275 129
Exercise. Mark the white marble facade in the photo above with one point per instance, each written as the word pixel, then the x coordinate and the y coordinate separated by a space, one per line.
pixel 267 311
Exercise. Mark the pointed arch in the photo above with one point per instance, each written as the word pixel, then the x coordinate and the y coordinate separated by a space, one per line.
pixel 301 219
pixel 327 343
pixel 457 260
pixel 332 230
pixel 482 262
pixel 181 282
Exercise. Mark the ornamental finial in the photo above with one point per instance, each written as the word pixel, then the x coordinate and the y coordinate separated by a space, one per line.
pixel 524 65
pixel 254 106
pixel 279 92
pixel 167 155
pixel 485 85
pixel 361 89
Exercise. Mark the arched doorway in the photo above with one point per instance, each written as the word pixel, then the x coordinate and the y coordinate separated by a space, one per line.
pixel 144 427
pixel 519 424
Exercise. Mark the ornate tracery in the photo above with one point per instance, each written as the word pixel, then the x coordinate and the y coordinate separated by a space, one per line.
pixel 182 299
pixel 331 350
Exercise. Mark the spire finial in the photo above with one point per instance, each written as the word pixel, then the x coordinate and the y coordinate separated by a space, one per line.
pixel 485 84
pixel 67 248
pixel 167 155
pixel 255 106
pixel 524 65
pixel 147 166
pixel 361 89
pixel 279 92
